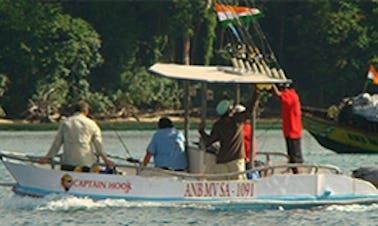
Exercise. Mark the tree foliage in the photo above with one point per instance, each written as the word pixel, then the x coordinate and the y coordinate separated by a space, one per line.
pixel 42 45
pixel 325 46
pixel 53 53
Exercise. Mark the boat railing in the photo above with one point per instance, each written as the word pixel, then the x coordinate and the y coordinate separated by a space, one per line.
pixel 264 170
pixel 270 157
pixel 18 156
pixel 54 163
pixel 319 112
pixel 302 169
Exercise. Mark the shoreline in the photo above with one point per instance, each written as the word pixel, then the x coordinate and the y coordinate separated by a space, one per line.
pixel 125 124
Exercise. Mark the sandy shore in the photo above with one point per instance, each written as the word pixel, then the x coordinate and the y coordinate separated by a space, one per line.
pixel 6 121
pixel 144 119
pixel 117 120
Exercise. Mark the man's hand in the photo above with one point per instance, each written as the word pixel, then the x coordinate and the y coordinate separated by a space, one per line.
pixel 201 127
pixel 43 160
pixel 110 163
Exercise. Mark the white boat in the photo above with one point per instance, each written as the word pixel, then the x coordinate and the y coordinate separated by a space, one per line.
pixel 315 185
pixel 277 187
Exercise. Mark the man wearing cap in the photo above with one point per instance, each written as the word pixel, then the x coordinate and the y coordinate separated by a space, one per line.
pixel 228 130
pixel 291 121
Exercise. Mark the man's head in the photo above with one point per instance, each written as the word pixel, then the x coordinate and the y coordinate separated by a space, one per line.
pixel 283 86
pixel 165 122
pixel 82 107
pixel 224 107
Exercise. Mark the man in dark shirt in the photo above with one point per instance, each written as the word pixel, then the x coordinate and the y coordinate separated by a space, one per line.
pixel 228 130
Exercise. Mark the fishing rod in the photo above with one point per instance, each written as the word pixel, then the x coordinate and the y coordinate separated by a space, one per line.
pixel 235 43
pixel 227 6
pixel 267 55
pixel 247 55
pixel 269 60
pixel 272 58
pixel 130 158
pixel 246 48
pixel 230 14
pixel 122 142
pixel 252 53
pixel 128 153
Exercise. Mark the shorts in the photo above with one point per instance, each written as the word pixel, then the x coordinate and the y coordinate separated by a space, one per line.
pixel 237 165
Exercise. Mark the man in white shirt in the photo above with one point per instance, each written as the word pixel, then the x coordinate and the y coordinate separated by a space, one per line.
pixel 78 134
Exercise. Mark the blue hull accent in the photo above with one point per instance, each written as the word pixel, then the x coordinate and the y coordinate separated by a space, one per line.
pixel 260 203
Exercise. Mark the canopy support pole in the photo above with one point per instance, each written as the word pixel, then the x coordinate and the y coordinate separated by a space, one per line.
pixel 203 108
pixel 203 101
pixel 186 61
pixel 186 113
pixel 255 104
pixel 237 94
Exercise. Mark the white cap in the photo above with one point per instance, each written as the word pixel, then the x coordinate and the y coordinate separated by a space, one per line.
pixel 239 108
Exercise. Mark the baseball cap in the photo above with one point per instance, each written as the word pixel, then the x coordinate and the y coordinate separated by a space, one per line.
pixel 223 106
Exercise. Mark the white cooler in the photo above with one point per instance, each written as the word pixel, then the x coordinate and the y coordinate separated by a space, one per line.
pixel 199 159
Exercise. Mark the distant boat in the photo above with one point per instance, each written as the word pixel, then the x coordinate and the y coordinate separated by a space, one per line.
pixel 339 137
pixel 349 127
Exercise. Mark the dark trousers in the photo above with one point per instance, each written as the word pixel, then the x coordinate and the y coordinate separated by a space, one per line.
pixel 71 168
pixel 294 151
pixel 166 168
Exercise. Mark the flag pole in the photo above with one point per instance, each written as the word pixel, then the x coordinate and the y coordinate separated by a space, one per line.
pixel 370 76
pixel 365 86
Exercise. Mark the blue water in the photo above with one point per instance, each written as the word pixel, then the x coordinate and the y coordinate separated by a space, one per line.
pixel 67 210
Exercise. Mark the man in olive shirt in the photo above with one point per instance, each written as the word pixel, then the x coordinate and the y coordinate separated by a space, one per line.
pixel 77 134
pixel 228 130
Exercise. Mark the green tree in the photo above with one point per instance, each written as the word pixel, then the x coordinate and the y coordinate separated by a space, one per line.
pixel 325 46
pixel 40 43
pixel 137 34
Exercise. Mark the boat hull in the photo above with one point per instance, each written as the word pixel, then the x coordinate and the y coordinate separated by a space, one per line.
pixel 287 191
pixel 340 138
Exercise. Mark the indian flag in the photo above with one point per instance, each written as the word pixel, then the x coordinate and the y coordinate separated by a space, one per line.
pixel 232 14
pixel 372 75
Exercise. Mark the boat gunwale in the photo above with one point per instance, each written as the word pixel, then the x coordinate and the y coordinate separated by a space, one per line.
pixel 329 122
pixel 314 168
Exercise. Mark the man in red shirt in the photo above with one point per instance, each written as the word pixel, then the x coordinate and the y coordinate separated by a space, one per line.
pixel 291 121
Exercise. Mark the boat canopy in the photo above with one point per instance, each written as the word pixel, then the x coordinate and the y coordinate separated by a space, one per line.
pixel 216 74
